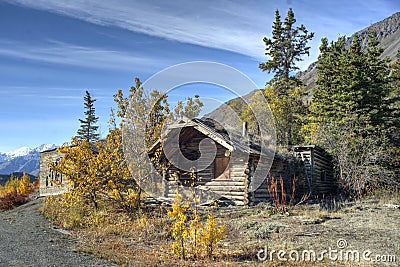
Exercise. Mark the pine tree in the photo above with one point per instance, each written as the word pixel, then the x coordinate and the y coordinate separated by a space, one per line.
pixel 378 84
pixel 351 84
pixel 285 48
pixel 89 130
pixel 392 118
pixel 350 110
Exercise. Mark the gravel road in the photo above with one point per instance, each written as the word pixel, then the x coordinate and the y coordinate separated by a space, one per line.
pixel 28 239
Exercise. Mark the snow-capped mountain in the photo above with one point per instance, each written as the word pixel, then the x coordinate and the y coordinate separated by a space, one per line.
pixel 22 151
pixel 23 159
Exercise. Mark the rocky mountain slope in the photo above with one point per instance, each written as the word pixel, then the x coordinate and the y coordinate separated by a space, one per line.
pixel 23 159
pixel 388 34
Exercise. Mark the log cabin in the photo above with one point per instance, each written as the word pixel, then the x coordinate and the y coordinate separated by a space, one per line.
pixel 230 175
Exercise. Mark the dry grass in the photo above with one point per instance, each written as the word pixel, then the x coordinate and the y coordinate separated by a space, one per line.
pixel 386 195
pixel 146 240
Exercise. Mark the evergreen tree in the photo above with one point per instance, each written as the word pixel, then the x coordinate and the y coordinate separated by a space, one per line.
pixel 351 85
pixel 337 96
pixel 89 130
pixel 350 110
pixel 285 48
pixel 392 118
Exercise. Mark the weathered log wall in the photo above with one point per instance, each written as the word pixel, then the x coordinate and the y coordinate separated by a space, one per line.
pixel 281 167
pixel 319 167
pixel 235 188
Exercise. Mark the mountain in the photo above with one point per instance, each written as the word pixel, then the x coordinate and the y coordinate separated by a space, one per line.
pixel 224 112
pixel 388 34
pixel 23 159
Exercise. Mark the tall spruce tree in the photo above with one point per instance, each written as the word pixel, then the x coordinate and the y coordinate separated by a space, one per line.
pixel 351 84
pixel 285 48
pixel 340 82
pixel 392 118
pixel 89 130
pixel 349 111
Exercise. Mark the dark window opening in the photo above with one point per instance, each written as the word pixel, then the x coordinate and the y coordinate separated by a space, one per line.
pixel 323 175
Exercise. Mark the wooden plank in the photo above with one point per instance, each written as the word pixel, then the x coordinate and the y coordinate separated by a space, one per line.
pixel 221 168
pixel 230 193
pixel 225 188
pixel 241 198
pixel 225 183
pixel 238 178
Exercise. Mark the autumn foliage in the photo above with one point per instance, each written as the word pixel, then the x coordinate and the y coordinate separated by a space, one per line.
pixel 102 187
pixel 15 191
pixel 276 189
pixel 21 185
pixel 97 173
pixel 193 237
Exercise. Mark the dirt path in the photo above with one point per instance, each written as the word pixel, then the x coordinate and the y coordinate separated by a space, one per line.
pixel 27 239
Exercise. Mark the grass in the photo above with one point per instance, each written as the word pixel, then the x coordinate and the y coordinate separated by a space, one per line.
pixel 386 195
pixel 146 239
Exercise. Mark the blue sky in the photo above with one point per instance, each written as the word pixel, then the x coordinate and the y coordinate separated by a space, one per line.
pixel 51 51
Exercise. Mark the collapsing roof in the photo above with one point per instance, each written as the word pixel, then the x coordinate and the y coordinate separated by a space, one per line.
pixel 231 139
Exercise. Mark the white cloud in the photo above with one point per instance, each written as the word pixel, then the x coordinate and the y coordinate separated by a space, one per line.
pixel 48 97
pixel 226 26
pixel 69 54
pixel 229 25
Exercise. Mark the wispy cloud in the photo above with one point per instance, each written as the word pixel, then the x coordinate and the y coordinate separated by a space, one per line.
pixel 69 54
pixel 236 26
pixel 228 25
pixel 58 96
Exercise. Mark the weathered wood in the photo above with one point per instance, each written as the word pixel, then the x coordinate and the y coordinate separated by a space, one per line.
pixel 226 188
pixel 238 178
pixel 235 173
pixel 164 183
pixel 231 193
pixel 224 183
pixel 246 186
pixel 238 203
pixel 240 198
pixel 51 183
pixel 232 179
